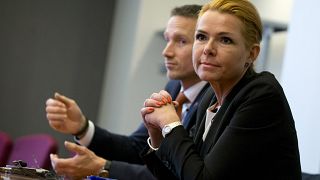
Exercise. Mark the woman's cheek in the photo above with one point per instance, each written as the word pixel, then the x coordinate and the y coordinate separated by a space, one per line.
pixel 196 65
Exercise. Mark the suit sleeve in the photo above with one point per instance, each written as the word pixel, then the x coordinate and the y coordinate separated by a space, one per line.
pixel 124 170
pixel 119 147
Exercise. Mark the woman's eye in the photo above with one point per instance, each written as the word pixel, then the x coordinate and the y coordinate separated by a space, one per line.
pixel 226 40
pixel 200 37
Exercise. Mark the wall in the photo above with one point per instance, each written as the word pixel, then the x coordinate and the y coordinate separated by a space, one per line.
pixel 48 46
pixel 300 80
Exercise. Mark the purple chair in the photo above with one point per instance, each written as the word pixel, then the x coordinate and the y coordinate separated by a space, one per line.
pixel 34 150
pixel 5 148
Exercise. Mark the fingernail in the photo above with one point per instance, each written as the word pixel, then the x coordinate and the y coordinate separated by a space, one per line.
pixel 56 94
pixel 51 156
pixel 164 100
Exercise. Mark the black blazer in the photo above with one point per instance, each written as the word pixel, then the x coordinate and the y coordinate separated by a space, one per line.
pixel 127 148
pixel 252 136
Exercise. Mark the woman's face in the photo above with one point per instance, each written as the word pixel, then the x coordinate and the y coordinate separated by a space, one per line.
pixel 219 51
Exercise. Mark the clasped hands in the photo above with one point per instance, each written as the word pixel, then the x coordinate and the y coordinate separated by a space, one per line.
pixel 158 111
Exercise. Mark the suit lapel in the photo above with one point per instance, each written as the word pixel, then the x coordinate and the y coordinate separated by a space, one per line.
pixel 173 87
pixel 189 119
pixel 189 116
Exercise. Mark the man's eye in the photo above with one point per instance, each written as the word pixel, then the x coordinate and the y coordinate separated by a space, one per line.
pixel 226 40
pixel 200 37
pixel 182 41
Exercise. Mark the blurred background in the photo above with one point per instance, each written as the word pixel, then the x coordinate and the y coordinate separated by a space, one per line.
pixel 107 56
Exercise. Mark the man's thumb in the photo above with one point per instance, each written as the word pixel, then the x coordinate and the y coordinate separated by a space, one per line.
pixel 67 101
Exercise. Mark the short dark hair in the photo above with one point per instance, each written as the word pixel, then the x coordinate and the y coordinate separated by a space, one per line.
pixel 190 11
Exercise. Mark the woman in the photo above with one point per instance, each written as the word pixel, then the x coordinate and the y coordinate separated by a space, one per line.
pixel 247 131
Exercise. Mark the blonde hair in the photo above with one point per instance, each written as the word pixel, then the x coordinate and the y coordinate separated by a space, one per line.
pixel 245 11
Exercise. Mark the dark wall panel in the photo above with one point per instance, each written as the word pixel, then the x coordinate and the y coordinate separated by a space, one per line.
pixel 48 46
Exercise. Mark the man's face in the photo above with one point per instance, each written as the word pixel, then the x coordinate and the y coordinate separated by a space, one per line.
pixel 179 35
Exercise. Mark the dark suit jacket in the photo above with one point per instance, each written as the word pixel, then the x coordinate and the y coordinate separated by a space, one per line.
pixel 252 136
pixel 127 148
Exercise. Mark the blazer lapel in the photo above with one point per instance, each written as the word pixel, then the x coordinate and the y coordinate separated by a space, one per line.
pixel 221 121
pixel 207 100
pixel 214 129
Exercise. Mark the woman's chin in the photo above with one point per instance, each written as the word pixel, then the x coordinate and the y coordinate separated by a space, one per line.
pixel 204 76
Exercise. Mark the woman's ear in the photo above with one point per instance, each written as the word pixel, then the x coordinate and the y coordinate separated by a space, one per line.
pixel 254 52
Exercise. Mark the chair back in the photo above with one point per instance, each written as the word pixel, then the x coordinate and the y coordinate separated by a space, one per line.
pixel 6 144
pixel 307 176
pixel 35 150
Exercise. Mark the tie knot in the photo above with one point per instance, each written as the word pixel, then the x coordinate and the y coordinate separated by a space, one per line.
pixel 181 98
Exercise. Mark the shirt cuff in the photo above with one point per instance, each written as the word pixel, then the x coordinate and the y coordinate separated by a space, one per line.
pixel 86 139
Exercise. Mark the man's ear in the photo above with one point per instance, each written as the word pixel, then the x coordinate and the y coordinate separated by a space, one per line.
pixel 254 52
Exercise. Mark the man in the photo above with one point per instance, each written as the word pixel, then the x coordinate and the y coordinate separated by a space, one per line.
pixel 114 152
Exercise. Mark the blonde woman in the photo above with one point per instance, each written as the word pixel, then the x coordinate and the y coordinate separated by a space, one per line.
pixel 248 131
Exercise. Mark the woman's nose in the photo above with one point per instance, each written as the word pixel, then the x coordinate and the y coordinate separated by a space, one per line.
pixel 209 48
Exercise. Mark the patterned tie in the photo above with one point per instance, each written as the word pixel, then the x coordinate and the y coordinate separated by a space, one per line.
pixel 181 99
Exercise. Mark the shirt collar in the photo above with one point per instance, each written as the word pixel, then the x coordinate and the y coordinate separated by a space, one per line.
pixel 192 92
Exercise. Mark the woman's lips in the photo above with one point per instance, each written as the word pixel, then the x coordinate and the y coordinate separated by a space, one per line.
pixel 208 65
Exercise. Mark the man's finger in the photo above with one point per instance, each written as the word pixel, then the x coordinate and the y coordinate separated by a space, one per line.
pixel 56 109
pixel 53 116
pixel 75 148
pixel 53 158
pixel 60 165
pixel 53 102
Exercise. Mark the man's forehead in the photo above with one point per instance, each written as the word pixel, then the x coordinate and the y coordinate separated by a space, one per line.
pixel 182 20
pixel 180 26
pixel 177 33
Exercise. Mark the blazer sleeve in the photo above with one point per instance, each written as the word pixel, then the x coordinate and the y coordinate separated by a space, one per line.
pixel 119 147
